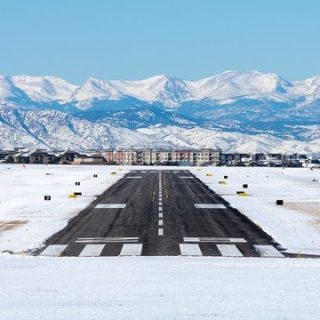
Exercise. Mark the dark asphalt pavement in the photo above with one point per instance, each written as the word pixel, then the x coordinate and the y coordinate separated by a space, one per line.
pixel 160 213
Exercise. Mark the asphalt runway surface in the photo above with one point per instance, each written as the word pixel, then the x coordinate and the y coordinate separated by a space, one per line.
pixel 160 213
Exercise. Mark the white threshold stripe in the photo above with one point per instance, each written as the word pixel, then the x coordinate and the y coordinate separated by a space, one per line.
pixel 216 240
pixel 135 177
pixel 209 206
pixel 131 249
pixel 190 249
pixel 229 250
pixel 160 232
pixel 268 251
pixel 92 250
pixel 54 250
pixel 110 206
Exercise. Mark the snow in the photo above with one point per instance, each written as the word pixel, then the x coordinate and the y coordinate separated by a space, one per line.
pixel 44 89
pixel 231 84
pixel 296 225
pixel 169 91
pixel 159 288
pixel 95 89
pixel 228 141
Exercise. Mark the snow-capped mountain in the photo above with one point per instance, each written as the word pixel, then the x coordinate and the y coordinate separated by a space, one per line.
pixel 232 110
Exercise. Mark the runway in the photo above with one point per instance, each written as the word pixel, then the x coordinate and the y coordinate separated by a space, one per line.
pixel 160 213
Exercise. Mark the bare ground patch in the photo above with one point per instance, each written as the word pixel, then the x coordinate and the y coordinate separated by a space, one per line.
pixel 11 225
pixel 309 208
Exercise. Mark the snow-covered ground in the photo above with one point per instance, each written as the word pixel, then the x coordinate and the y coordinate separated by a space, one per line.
pixel 296 225
pixel 34 288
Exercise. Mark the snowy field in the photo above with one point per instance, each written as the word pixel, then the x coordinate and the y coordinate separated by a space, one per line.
pixel 157 287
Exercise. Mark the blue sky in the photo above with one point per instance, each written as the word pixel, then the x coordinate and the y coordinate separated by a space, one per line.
pixel 126 39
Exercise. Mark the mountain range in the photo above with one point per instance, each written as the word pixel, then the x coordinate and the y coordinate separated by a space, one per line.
pixel 235 111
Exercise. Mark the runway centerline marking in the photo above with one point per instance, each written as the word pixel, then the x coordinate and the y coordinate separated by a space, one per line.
pixel 160 216
pixel 53 250
pixel 188 249
pixel 110 206
pixel 209 206
pixel 92 250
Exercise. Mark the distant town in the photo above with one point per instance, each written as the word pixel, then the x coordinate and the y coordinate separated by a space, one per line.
pixel 201 157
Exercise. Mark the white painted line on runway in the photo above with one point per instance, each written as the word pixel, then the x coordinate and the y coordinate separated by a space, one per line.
pixel 268 251
pixel 110 206
pixel 160 215
pixel 92 250
pixel 160 222
pixel 215 240
pixel 229 250
pixel 160 208
pixel 209 206
pixel 160 232
pixel 190 249
pixel 107 239
pixel 135 177
pixel 185 177
pixel 131 249
pixel 160 203
pixel 53 250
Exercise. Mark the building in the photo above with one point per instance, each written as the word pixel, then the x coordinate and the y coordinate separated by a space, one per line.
pixel 43 156
pixel 121 157
pixel 68 156
pixel 92 159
